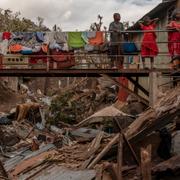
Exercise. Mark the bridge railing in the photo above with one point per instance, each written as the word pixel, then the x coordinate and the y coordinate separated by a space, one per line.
pixel 99 59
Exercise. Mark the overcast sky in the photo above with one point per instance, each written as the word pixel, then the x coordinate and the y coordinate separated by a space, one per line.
pixel 79 14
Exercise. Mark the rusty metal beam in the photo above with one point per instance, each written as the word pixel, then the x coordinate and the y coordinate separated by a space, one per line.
pixel 81 72
pixel 146 102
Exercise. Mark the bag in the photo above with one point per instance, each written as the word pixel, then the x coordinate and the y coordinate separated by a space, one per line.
pixel 130 47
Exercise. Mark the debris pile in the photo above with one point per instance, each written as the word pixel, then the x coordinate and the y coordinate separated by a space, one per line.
pixel 82 134
pixel 79 102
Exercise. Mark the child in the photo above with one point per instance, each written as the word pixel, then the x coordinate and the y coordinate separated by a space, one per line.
pixel 149 47
pixel 174 38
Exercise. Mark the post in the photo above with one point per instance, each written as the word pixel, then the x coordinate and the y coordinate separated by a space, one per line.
pixel 46 84
pixel 48 60
pixel 120 157
pixel 146 162
pixel 153 88
pixel 178 4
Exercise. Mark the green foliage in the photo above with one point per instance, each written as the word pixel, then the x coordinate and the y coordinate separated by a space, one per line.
pixel 10 21
pixel 62 109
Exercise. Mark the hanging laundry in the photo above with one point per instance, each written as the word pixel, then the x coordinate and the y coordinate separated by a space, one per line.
pixel 27 36
pixel 88 35
pixel 44 48
pixel 31 43
pixel 60 37
pixel 98 40
pixel 88 47
pixel 26 51
pixel 65 47
pixel 49 37
pixel 4 47
pixel 36 49
pixel 1 36
pixel 58 55
pixel 38 57
pixel 55 45
pixel 91 34
pixel 40 36
pixel 75 40
pixel 6 35
pixel 85 37
pixel 15 48
pixel 17 36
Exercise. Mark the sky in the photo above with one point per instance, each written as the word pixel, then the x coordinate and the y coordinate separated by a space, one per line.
pixel 73 15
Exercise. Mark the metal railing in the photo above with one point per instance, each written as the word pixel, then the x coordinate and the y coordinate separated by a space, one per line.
pixel 85 60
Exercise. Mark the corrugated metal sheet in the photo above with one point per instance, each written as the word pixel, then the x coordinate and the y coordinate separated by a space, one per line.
pixel 26 154
pixel 55 172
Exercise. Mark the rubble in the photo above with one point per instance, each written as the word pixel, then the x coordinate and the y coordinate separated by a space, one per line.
pixel 81 133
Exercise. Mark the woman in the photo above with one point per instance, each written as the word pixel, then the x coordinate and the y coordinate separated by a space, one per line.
pixel 149 48
pixel 174 38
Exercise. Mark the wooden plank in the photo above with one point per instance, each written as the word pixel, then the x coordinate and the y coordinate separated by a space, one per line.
pixel 127 142
pixel 172 164
pixel 153 88
pixel 104 151
pixel 95 145
pixel 136 90
pixel 146 162
pixel 137 85
pixel 120 157
pixel 159 123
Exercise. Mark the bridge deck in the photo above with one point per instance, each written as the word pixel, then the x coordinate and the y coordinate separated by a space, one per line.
pixel 84 72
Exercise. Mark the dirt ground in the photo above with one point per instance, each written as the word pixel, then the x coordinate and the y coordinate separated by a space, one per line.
pixel 8 99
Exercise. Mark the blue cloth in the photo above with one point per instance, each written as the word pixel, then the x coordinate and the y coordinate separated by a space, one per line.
pixel 26 52
pixel 55 46
pixel 40 36
pixel 85 37
pixel 129 47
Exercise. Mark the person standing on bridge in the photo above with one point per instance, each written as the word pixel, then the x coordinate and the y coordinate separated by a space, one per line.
pixel 116 38
pixel 149 48
pixel 174 39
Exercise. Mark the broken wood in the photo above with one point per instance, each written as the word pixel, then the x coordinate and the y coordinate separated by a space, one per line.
pixel 23 109
pixel 99 170
pixel 172 164
pixel 146 162
pixel 120 157
pixel 104 151
pixel 111 171
pixel 127 142
pixel 87 162
pixel 95 145
pixel 149 121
